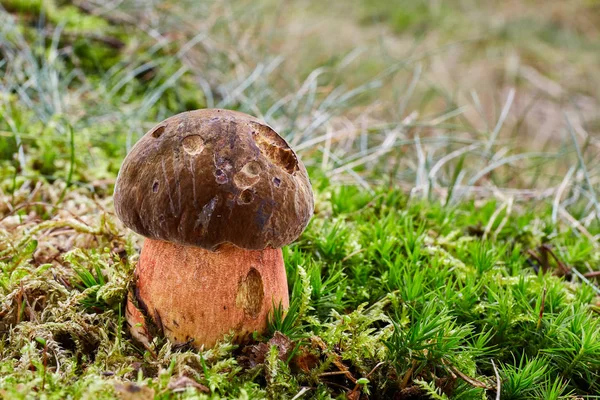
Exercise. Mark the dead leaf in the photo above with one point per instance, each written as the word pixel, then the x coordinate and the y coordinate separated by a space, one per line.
pixel 131 391
pixel 305 360
pixel 180 384
pixel 256 354
pixel 409 393
pixel 283 343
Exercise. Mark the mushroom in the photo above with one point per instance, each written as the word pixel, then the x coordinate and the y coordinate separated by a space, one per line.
pixel 216 193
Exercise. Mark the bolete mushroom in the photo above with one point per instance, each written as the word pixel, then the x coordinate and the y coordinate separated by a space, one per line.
pixel 216 193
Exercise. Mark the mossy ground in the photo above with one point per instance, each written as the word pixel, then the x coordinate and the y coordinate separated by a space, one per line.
pixel 443 261
pixel 391 297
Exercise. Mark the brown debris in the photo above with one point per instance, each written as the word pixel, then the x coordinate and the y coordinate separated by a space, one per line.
pixel 335 358
pixel 256 354
pixel 305 360
pixel 182 383
pixel 131 391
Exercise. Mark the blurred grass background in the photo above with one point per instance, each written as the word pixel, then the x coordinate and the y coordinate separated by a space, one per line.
pixel 368 90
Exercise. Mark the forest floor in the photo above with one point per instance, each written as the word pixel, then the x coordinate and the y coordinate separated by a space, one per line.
pixel 453 151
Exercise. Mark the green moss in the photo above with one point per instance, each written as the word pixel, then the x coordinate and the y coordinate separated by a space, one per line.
pixel 390 295
pixel 73 19
pixel 391 292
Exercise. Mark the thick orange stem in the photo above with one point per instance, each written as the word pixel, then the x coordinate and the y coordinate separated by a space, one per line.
pixel 196 296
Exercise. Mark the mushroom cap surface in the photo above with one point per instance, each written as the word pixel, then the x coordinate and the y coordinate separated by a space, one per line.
pixel 209 177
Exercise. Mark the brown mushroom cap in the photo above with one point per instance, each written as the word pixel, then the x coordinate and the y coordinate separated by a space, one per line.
pixel 208 177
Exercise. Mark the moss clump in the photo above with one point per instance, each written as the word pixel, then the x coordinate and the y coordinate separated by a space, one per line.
pixel 73 19
pixel 392 298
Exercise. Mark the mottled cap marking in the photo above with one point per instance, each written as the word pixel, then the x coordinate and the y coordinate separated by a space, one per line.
pixel 208 177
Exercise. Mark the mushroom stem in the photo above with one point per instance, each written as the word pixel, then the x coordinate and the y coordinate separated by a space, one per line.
pixel 193 295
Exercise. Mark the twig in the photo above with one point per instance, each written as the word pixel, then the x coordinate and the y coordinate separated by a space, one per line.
pixel 330 373
pixel 349 256
pixel 335 359
pixel 532 254
pixel 593 274
pixel 473 382
pixel 498 381
pixel 539 324
pixel 374 368
pixel 407 375
pixel 566 270
pixel 301 393
pixel 19 300
pixel 367 376
pixel 32 316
